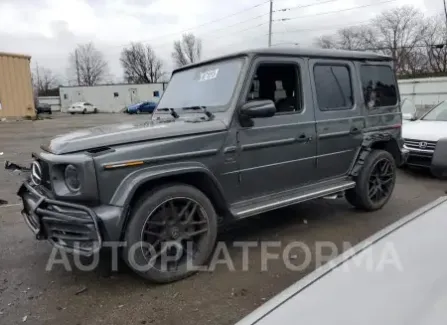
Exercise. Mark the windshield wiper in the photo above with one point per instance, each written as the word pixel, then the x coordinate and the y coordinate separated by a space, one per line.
pixel 170 110
pixel 202 108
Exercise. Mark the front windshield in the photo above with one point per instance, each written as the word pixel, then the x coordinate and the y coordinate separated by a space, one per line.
pixel 438 113
pixel 211 85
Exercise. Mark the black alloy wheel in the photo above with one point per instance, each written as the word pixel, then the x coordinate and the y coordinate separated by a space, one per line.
pixel 381 180
pixel 176 226
pixel 171 233
pixel 374 183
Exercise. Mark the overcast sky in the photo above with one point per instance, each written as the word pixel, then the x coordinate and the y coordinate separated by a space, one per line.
pixel 49 30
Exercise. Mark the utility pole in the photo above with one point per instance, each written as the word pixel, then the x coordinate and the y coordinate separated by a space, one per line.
pixel 445 11
pixel 270 23
pixel 77 67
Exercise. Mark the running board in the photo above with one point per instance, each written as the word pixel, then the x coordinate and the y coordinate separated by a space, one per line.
pixel 280 200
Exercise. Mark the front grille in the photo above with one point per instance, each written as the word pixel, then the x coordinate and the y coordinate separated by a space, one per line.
pixel 421 152
pixel 46 180
pixel 420 144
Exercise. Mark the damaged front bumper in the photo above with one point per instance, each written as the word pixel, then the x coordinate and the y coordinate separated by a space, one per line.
pixel 68 226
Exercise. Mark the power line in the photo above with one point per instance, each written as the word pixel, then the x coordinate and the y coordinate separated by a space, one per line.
pixel 336 11
pixel 305 6
pixel 228 26
pixel 324 28
pixel 204 24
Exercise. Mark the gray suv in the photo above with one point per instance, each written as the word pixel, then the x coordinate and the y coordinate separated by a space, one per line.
pixel 231 137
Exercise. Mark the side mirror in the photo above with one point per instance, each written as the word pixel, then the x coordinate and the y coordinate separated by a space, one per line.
pixel 258 108
pixel 409 117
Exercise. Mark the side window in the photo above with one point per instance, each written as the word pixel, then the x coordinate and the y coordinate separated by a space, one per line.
pixel 115 94
pixel 333 86
pixel 65 96
pixel 379 86
pixel 280 83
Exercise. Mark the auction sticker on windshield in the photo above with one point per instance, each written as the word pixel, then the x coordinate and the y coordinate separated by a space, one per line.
pixel 208 75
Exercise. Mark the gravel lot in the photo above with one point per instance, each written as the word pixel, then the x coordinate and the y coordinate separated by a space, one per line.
pixel 30 293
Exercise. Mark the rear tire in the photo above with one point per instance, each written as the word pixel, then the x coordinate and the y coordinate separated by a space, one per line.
pixel 72 113
pixel 375 182
pixel 84 111
pixel 158 218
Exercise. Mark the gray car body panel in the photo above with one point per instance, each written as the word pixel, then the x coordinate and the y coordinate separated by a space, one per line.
pixel 406 283
pixel 291 152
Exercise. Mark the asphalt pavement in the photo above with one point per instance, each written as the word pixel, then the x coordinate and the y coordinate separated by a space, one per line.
pixel 31 294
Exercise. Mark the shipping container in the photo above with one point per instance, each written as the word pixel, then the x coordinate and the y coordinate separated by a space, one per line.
pixel 16 89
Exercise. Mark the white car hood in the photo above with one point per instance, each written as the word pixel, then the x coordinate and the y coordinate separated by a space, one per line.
pixel 424 130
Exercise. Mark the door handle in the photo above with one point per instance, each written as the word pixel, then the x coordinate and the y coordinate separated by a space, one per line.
pixel 354 130
pixel 304 138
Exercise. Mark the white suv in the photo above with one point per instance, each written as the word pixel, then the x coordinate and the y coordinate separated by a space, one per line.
pixel 426 139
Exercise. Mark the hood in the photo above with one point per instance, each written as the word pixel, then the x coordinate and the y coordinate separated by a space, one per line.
pixel 424 130
pixel 116 134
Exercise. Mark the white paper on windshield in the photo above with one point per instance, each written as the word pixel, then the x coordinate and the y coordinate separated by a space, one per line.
pixel 208 75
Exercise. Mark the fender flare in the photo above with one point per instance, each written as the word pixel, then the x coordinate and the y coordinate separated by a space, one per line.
pixel 366 148
pixel 129 185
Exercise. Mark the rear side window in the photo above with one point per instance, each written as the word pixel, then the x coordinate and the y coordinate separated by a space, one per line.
pixel 333 87
pixel 379 86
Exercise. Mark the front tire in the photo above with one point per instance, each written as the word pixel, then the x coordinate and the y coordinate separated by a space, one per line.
pixel 174 213
pixel 375 182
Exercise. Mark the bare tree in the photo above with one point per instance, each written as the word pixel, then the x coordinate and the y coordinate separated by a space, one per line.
pixel 357 38
pixel 141 64
pixel 400 32
pixel 351 38
pixel 435 43
pixel 88 65
pixel 326 42
pixel 188 50
pixel 44 80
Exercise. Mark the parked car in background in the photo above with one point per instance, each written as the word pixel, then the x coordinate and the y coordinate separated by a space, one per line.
pixel 82 107
pixel 375 282
pixel 43 108
pixel 426 139
pixel 143 107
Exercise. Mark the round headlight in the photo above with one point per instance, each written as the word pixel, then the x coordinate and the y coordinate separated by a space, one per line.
pixel 72 178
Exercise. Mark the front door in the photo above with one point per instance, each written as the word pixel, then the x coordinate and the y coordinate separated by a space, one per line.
pixel 338 114
pixel 278 153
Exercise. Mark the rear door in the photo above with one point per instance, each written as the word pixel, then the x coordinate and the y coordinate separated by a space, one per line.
pixel 339 117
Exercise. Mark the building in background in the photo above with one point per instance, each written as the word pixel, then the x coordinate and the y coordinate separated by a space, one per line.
pixel 53 101
pixel 424 92
pixel 110 98
pixel 16 87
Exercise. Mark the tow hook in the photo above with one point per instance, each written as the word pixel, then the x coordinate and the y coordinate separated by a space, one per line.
pixel 15 168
